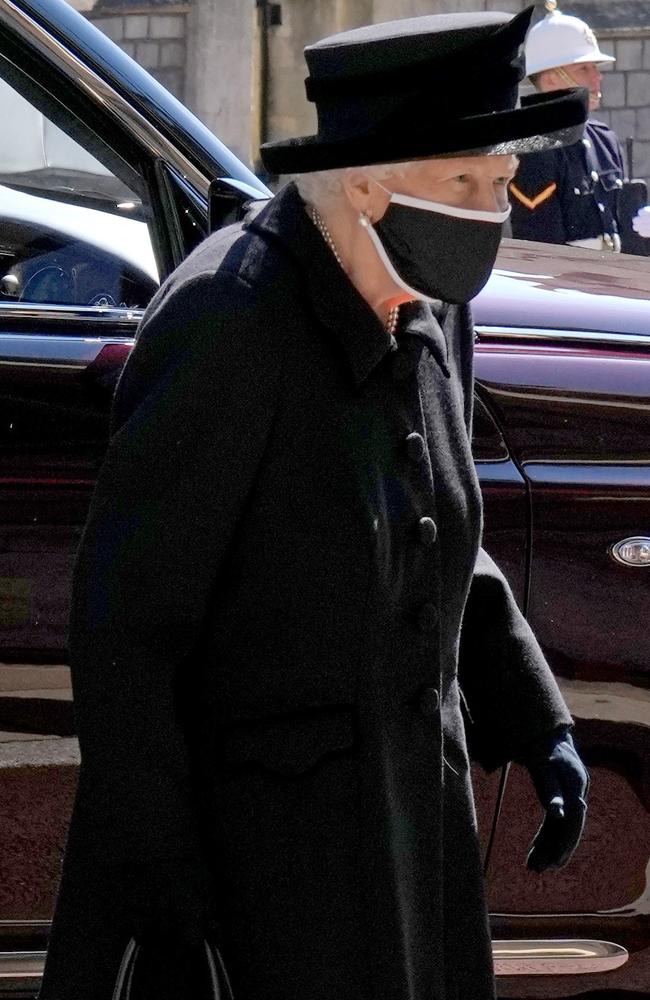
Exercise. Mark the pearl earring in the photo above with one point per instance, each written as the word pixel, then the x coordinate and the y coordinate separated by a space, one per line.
pixel 364 220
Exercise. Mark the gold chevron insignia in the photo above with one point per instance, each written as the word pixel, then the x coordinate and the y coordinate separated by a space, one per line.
pixel 533 203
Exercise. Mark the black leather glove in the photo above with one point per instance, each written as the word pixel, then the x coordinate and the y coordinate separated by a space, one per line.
pixel 561 782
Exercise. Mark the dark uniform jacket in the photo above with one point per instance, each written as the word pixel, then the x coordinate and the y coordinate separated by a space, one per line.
pixel 570 193
pixel 266 635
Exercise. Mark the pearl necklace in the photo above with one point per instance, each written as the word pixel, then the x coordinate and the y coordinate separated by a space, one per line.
pixel 317 219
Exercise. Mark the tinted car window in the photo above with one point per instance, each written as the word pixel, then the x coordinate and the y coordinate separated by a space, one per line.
pixel 71 233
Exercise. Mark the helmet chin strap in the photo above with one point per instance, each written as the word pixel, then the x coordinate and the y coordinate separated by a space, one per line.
pixel 562 73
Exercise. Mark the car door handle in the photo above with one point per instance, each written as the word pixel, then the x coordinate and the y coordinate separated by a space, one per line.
pixel 633 551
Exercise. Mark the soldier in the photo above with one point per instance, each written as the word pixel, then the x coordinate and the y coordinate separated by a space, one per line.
pixel 571 194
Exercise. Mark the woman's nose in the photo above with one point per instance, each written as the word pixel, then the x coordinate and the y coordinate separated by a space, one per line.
pixel 492 199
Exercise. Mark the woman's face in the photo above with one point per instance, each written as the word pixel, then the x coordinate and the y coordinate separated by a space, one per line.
pixel 474 182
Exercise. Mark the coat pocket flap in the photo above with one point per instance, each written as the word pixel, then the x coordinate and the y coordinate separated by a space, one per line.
pixel 290 744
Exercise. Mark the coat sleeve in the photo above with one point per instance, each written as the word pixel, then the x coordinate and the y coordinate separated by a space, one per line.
pixel 193 412
pixel 536 199
pixel 509 693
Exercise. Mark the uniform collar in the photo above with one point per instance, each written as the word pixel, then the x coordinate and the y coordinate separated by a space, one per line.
pixel 337 303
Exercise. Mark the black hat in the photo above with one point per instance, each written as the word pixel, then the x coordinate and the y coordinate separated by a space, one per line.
pixel 438 85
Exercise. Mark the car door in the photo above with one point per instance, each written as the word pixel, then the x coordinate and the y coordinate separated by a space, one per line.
pixel 97 205
pixel 574 408
pixel 506 538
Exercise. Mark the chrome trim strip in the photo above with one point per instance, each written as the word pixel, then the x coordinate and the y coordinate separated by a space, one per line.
pixel 124 979
pixel 70 314
pixel 589 336
pixel 556 957
pixel 589 474
pixel 155 141
pixel 546 957
pixel 19 350
pixel 503 471
pixel 19 966
pixel 122 989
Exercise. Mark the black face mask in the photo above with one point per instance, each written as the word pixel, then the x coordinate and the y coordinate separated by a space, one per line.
pixel 437 251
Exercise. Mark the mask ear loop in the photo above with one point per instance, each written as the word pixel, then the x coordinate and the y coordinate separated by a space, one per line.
pixel 364 220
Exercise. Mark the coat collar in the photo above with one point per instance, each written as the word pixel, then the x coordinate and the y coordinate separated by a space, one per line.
pixel 337 303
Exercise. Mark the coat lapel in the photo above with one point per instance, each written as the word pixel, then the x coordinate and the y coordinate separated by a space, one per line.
pixel 339 307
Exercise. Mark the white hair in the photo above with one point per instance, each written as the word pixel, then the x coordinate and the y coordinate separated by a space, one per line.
pixel 322 187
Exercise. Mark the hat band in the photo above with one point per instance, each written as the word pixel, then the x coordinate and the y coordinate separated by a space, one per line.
pixel 385 117
pixel 480 79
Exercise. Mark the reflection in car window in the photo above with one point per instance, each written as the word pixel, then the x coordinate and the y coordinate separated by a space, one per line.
pixel 71 233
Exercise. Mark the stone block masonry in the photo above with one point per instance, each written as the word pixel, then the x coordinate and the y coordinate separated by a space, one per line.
pixel 207 53
pixel 154 35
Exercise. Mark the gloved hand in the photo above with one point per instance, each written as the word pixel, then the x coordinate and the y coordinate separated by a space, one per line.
pixel 641 222
pixel 561 782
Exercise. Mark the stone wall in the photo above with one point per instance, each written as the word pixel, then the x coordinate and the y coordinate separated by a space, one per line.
pixel 208 53
pixel 622 27
pixel 626 94
pixel 154 34
pixel 303 23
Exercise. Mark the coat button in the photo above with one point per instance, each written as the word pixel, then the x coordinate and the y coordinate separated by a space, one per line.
pixel 428 618
pixel 428 531
pixel 403 366
pixel 415 447
pixel 429 701
pixel 594 175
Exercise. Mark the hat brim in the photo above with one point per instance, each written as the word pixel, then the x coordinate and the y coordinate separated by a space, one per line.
pixel 597 58
pixel 544 121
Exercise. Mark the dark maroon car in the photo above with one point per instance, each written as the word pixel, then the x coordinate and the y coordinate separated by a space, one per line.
pixel 106 183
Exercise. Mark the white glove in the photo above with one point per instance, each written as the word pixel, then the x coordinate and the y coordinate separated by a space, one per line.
pixel 641 222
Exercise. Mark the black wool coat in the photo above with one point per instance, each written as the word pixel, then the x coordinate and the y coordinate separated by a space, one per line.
pixel 279 595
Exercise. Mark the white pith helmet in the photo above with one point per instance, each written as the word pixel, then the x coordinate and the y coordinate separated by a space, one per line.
pixel 561 40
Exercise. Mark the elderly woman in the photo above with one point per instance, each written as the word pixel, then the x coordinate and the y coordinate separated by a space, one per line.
pixel 281 592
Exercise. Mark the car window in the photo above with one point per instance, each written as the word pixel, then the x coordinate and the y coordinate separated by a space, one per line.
pixel 71 232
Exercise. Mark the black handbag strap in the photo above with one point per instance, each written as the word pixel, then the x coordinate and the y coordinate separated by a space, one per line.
pixel 219 982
